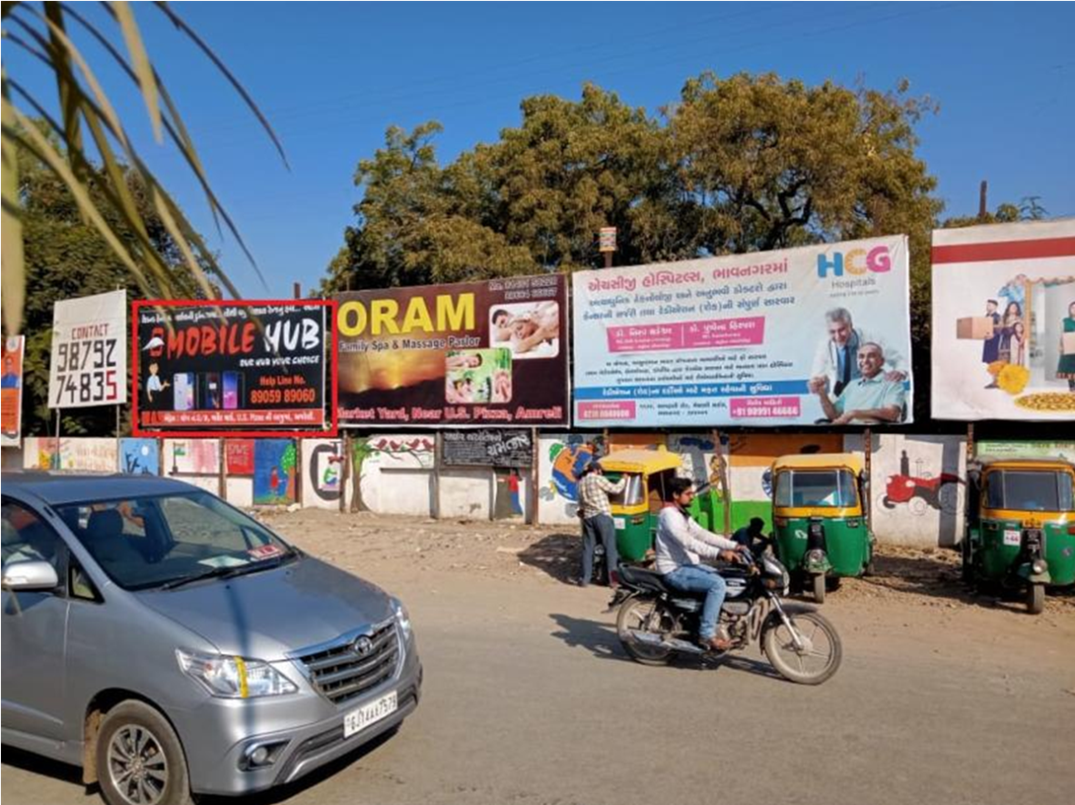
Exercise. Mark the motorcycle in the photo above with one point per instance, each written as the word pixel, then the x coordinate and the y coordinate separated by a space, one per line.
pixel 656 622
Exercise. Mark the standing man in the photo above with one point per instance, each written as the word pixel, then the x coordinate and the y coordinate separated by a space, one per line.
pixel 596 513
pixel 681 545
pixel 834 361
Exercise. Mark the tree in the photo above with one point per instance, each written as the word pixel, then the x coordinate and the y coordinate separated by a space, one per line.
pixel 66 257
pixel 747 163
pixel 44 31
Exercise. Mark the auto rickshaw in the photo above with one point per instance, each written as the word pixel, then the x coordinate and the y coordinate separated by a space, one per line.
pixel 1020 526
pixel 821 532
pixel 636 509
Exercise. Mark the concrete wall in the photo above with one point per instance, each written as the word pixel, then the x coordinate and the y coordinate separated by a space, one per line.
pixel 917 494
pixel 917 490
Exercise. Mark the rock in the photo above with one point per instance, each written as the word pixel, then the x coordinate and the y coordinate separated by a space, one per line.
pixel 294 507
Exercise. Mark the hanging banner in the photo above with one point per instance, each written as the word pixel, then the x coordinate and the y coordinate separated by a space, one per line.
pixel 1003 336
pixel 247 368
pixel 468 354
pixel 11 392
pixel 487 448
pixel 814 335
pixel 88 365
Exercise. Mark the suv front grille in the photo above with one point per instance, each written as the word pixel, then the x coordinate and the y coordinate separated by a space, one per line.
pixel 342 673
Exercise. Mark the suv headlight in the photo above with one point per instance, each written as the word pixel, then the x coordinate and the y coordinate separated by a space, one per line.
pixel 402 618
pixel 234 677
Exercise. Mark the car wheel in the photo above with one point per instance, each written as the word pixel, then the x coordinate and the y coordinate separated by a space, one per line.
pixel 140 760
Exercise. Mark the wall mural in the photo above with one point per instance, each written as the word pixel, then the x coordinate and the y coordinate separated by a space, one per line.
pixel 139 456
pixel 274 472
pixel 390 451
pixel 921 490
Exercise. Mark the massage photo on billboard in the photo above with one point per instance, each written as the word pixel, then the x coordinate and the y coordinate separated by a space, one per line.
pixel 492 352
pixel 244 368
pixel 1003 335
pixel 816 335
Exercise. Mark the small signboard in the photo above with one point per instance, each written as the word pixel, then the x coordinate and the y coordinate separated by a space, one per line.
pixel 487 448
pixel 607 239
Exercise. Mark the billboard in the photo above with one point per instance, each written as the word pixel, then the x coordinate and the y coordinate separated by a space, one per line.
pixel 767 339
pixel 88 365
pixel 1003 336
pixel 11 392
pixel 248 368
pixel 481 353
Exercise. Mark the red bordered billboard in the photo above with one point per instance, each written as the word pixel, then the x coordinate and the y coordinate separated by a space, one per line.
pixel 237 368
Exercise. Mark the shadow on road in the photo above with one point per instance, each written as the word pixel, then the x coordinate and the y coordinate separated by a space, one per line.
pixel 601 640
pixel 17 758
pixel 557 555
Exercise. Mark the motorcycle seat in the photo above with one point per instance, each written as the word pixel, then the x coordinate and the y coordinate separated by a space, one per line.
pixel 643 579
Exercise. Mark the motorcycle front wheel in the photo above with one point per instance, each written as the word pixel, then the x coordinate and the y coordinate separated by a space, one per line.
pixel 819 656
pixel 640 618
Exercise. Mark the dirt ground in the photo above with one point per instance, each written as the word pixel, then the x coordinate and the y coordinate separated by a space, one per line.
pixel 907 578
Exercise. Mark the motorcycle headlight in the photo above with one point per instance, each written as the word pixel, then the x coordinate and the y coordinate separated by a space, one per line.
pixel 403 618
pixel 234 677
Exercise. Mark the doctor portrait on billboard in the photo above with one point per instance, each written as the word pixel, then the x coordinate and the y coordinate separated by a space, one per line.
pixel 836 360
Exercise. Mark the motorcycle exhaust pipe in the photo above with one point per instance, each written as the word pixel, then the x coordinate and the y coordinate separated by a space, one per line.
pixel 671 643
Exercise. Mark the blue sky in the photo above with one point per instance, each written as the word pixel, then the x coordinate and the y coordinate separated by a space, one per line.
pixel 332 76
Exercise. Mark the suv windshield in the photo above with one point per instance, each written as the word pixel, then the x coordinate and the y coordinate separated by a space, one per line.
pixel 1032 491
pixel 824 488
pixel 145 542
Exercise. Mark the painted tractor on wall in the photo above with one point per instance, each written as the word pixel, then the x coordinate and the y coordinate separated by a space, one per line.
pixel 921 491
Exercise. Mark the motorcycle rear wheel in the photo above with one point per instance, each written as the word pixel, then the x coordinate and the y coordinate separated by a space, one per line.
pixel 812 666
pixel 639 614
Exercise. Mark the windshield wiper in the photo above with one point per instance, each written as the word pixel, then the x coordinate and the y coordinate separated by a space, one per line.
pixel 230 571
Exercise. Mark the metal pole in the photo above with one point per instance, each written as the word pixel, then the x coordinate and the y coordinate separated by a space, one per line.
pixel 971 448
pixel 869 478
pixel 119 449
pixel 438 448
pixel 535 486
pixel 346 475
pixel 722 474
pixel 56 452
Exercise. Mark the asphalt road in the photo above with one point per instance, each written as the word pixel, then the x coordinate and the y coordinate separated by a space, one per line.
pixel 529 700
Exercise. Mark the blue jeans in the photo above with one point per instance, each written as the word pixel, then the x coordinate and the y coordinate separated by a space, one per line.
pixel 701 579
pixel 599 527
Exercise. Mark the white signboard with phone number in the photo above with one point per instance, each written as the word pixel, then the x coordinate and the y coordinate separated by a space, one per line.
pixel 89 355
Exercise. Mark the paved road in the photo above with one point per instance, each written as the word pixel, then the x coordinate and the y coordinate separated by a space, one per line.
pixel 529 700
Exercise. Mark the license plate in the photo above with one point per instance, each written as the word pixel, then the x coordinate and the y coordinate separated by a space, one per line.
pixel 360 718
pixel 1013 537
pixel 619 522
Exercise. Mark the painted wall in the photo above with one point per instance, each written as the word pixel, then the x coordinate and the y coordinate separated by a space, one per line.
pixel 90 454
pixel 195 461
pixel 561 457
pixel 322 473
pixel 392 473
pixel 917 488
pixel 139 456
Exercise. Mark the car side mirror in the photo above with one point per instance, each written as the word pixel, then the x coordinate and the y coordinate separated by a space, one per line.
pixel 35 575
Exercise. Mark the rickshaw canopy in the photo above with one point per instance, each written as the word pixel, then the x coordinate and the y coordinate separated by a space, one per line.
pixel 820 461
pixel 645 462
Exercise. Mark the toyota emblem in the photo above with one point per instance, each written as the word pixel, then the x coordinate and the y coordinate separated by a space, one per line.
pixel 363 646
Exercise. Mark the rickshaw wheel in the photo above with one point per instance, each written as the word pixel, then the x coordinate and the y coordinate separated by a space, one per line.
pixel 1035 599
pixel 819 587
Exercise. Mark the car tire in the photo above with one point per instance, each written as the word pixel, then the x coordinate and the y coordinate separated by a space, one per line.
pixel 140 760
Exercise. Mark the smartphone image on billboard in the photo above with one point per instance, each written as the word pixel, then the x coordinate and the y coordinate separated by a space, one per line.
pixel 233 390
pixel 211 391
pixel 183 385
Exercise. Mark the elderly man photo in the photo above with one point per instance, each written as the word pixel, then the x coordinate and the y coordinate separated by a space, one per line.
pixel 869 400
pixel 835 361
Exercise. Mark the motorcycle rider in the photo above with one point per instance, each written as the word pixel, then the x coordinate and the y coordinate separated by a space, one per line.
pixel 681 544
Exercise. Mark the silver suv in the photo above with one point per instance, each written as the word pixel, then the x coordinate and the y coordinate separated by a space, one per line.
pixel 169 644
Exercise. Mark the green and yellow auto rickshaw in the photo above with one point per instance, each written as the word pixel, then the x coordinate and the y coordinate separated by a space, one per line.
pixel 821 532
pixel 1020 526
pixel 636 509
